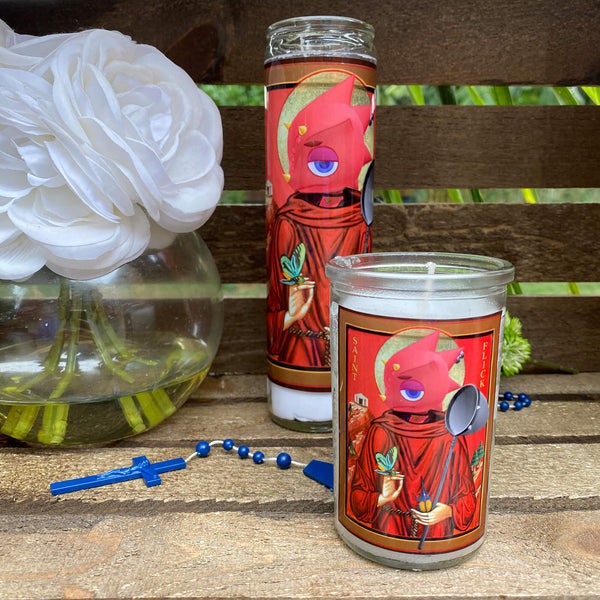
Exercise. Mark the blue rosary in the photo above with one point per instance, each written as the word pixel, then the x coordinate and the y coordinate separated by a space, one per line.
pixel 319 471
pixel 142 468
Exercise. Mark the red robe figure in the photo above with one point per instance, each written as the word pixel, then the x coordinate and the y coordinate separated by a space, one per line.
pixel 320 220
pixel 416 382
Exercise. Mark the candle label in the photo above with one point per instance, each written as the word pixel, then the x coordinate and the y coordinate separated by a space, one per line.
pixel 416 406
pixel 319 150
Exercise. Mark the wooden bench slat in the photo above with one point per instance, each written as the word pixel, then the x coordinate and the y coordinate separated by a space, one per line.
pixel 563 330
pixel 223 40
pixel 558 386
pixel 423 147
pixel 223 477
pixel 272 555
pixel 545 242
pixel 544 422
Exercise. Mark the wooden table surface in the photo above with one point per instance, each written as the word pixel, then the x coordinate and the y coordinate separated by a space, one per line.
pixel 226 528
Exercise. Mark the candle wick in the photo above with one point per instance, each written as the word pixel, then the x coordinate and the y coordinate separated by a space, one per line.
pixel 430 268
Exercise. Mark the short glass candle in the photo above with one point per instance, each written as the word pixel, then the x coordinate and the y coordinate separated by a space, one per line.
pixel 416 340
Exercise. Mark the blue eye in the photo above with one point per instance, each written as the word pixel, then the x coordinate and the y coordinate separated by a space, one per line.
pixel 412 390
pixel 323 161
pixel 412 395
pixel 322 168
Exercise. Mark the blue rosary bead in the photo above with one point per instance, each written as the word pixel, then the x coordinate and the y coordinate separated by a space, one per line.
pixel 520 402
pixel 228 444
pixel 525 399
pixel 243 451
pixel 202 449
pixel 258 457
pixel 284 460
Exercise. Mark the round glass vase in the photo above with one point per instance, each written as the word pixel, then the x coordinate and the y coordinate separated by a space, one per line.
pixel 90 362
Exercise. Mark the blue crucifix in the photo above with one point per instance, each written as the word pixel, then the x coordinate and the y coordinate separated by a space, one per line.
pixel 141 467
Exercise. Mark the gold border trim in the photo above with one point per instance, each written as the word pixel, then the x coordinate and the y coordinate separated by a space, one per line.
pixel 301 378
pixel 292 73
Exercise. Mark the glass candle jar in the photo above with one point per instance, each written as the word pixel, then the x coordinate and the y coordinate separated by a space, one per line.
pixel 320 111
pixel 416 347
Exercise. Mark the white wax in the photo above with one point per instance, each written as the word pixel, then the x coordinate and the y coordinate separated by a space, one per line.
pixel 296 405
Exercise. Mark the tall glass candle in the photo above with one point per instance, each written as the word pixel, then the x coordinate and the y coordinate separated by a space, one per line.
pixel 320 110
pixel 416 346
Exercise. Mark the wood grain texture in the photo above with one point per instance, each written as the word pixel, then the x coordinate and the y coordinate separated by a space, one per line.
pixel 226 528
pixel 424 147
pixel 569 420
pixel 562 330
pixel 223 479
pixel 545 242
pixel 275 555
pixel 418 42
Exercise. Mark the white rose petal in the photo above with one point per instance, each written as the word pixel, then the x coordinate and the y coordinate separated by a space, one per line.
pixel 14 181
pixel 20 258
pixel 48 218
pixel 105 145
pixel 8 231
pixel 130 239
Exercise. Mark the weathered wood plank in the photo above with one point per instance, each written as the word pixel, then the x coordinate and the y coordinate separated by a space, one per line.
pixel 562 330
pixel 422 147
pixel 223 41
pixel 224 482
pixel 545 422
pixel 252 388
pixel 545 242
pixel 277 555
pixel 548 437
pixel 566 409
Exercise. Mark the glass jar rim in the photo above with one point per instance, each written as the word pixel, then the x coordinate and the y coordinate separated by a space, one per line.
pixel 318 21
pixel 419 271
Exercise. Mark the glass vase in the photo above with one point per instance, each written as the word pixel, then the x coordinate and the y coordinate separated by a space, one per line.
pixel 90 362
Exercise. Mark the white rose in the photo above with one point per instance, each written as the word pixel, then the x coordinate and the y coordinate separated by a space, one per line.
pixel 43 221
pixel 96 138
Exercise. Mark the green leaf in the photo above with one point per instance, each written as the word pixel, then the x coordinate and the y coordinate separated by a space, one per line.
pixel 381 461
pixel 514 289
pixel 574 288
pixel 455 196
pixel 392 455
pixel 530 195
pixel 477 99
pixel 476 195
pixel 416 93
pixel 593 93
pixel 565 94
pixel 501 95
pixel 447 95
pixel 391 196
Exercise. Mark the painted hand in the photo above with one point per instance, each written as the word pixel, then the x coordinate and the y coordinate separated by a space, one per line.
pixel 300 298
pixel 441 512
pixel 392 486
